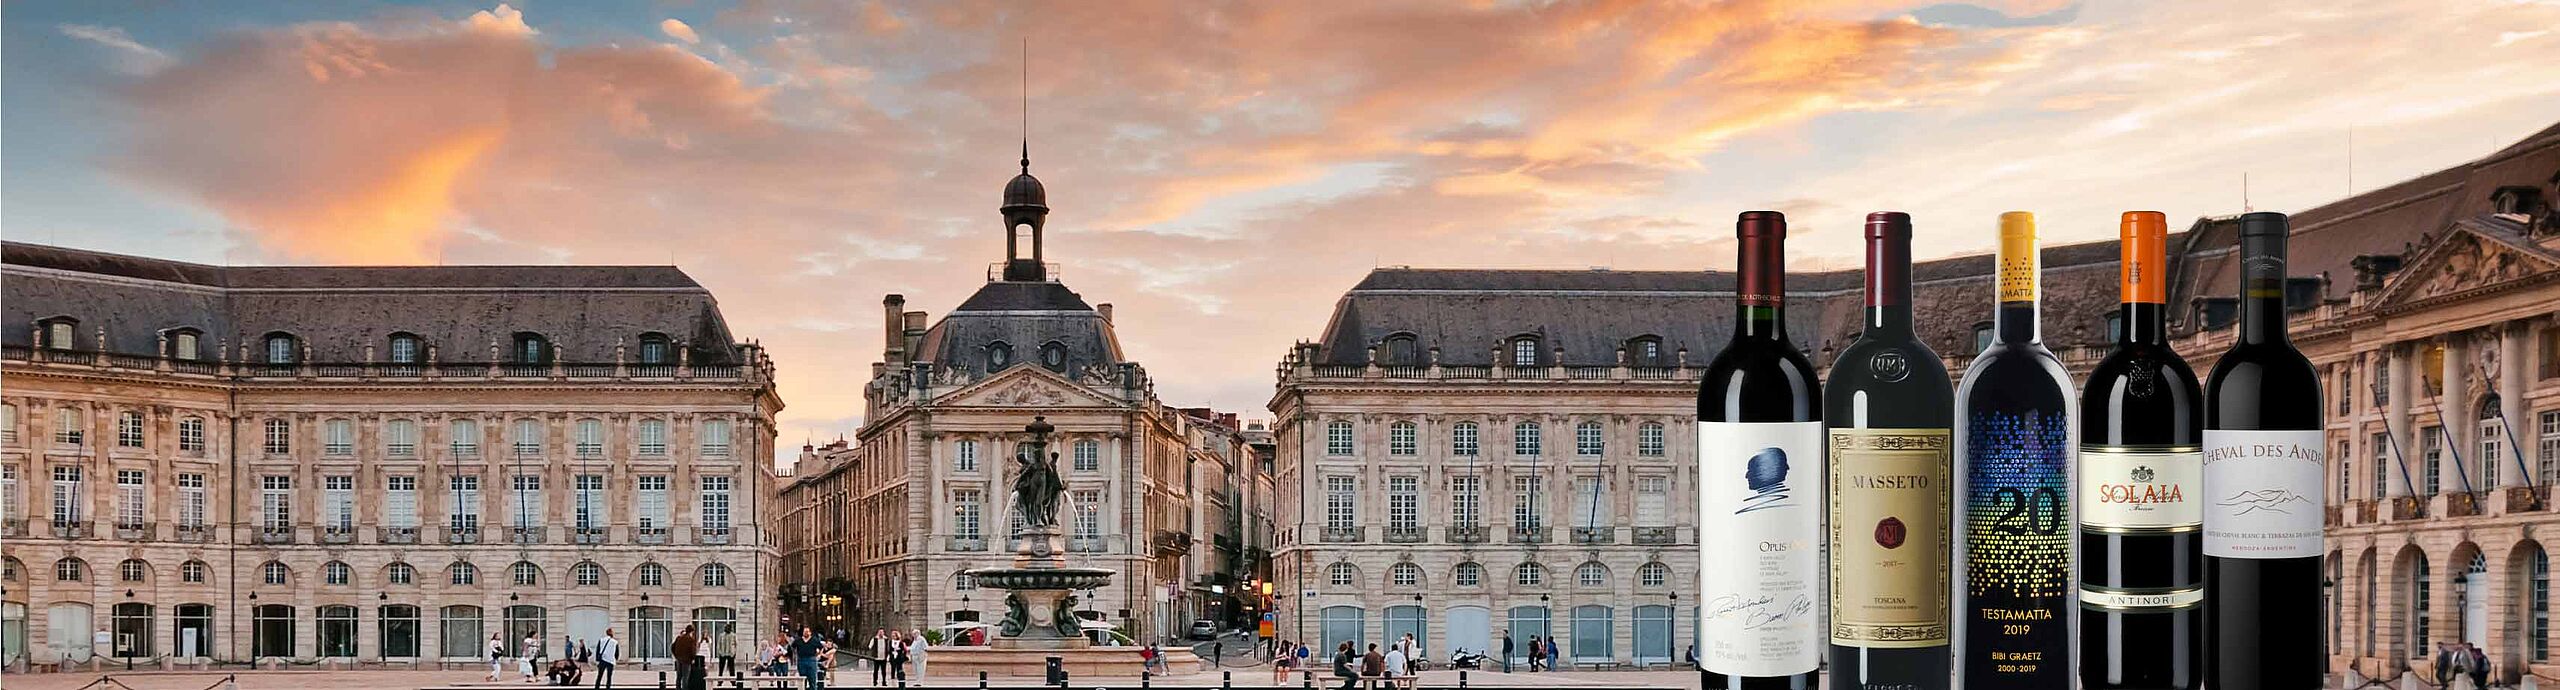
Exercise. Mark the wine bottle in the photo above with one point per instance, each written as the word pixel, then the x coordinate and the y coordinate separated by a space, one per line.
pixel 1760 487
pixel 2015 438
pixel 2140 490
pixel 1889 409
pixel 2263 456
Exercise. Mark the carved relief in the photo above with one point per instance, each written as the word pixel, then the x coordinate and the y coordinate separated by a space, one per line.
pixel 2474 264
pixel 1027 392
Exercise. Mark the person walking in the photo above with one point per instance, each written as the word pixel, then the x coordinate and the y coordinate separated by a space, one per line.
pixel 1342 659
pixel 608 653
pixel 917 652
pixel 879 658
pixel 1506 651
pixel 688 653
pixel 2479 667
pixel 497 655
pixel 532 651
pixel 2444 665
pixel 898 656
pixel 1553 657
pixel 804 653
pixel 727 647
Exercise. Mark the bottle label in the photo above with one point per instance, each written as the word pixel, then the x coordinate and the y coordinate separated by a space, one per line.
pixel 2265 498
pixel 1890 498
pixel 1759 494
pixel 2141 490
pixel 2017 549
pixel 2140 600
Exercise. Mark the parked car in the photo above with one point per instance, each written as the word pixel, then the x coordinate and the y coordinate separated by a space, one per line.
pixel 1204 630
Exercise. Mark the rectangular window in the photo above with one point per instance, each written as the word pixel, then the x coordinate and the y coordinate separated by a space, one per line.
pixel 2492 452
pixel 1586 439
pixel 715 502
pixel 1341 502
pixel 1337 438
pixel 528 499
pixel 1649 440
pixel 1088 456
pixel 1462 440
pixel 279 437
pixel 2382 385
pixel 191 500
pixel 527 437
pixel 1590 502
pixel 2549 460
pixel 2346 473
pixel 590 501
pixel 715 438
pixel 1525 498
pixel 400 501
pixel 2345 391
pixel 651 501
pixel 129 496
pixel 653 437
pixel 1526 441
pixel 67 497
pixel 2550 352
pixel 965 513
pixel 1653 501
pixel 191 434
pixel 338 437
pixel 590 438
pixel 129 429
pixel 1466 500
pixel 1088 514
pixel 466 438
pixel 9 505
pixel 2378 455
pixel 8 424
pixel 2431 448
pixel 338 501
pixel 465 491
pixel 1401 439
pixel 965 456
pixel 67 429
pixel 1404 503
pixel 400 438
pixel 275 501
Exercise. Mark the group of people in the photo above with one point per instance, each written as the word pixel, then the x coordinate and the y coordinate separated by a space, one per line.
pixel 2459 659
pixel 892 652
pixel 1542 653
pixel 693 651
pixel 1398 662
pixel 534 662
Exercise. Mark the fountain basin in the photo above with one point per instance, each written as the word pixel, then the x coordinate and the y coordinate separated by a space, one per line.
pixel 1041 578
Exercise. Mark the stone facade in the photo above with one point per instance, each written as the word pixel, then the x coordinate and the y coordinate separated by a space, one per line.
pixel 367 476
pixel 2427 300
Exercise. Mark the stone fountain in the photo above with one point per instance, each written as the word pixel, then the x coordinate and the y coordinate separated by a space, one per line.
pixel 1040 603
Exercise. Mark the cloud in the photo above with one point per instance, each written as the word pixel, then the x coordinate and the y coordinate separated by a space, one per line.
pixel 679 30
pixel 132 57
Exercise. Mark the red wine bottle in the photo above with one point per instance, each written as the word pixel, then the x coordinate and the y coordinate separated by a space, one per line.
pixel 2263 457
pixel 2141 491
pixel 1760 487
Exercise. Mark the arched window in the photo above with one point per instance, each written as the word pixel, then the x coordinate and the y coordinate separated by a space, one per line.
pixel 532 348
pixel 400 573
pixel 714 575
pixel 1053 354
pixel 999 356
pixel 656 349
pixel 1526 439
pixel 70 570
pixel 1591 574
pixel 1399 350
pixel 1341 575
pixel 406 348
pixel 587 574
pixel 1405 575
pixel 1402 438
pixel 1653 574
pixel 193 572
pixel 1529 575
pixel 1463 439
pixel 336 573
pixel 186 344
pixel 1524 351
pixel 652 575
pixel 132 570
pixel 61 333
pixel 2538 601
pixel 283 348
pixel 1469 574
pixel 2420 608
pixel 1337 438
pixel 1646 351
pixel 462 573
pixel 524 574
pixel 964 582
pixel 275 573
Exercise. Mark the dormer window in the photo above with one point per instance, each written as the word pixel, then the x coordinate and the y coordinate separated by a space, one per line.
pixel 2301 293
pixel 1524 351
pixel 999 356
pixel 62 333
pixel 1053 355
pixel 532 348
pixel 186 344
pixel 1399 350
pixel 1645 351
pixel 656 349
pixel 283 348
pixel 406 348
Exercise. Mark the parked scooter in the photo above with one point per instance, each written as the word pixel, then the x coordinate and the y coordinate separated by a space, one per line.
pixel 1465 659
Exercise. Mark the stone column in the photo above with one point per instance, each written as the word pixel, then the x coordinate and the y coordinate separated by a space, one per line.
pixel 2514 360
pixel 2396 418
pixel 2456 415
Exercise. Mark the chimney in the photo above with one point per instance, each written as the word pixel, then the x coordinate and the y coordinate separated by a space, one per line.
pixel 1105 308
pixel 896 343
pixel 913 333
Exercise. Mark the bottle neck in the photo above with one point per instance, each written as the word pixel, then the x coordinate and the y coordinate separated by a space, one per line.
pixel 2143 323
pixel 1889 286
pixel 2015 323
pixel 2262 278
pixel 1760 301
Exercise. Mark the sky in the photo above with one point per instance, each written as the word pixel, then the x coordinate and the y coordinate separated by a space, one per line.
pixel 1221 172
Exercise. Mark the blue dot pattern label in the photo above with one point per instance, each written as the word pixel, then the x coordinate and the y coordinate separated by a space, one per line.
pixel 2017 551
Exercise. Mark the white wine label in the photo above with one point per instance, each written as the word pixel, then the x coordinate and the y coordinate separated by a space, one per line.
pixel 1759 522
pixel 2141 490
pixel 2111 599
pixel 1891 494
pixel 2262 493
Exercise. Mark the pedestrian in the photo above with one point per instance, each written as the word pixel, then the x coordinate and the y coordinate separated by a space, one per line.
pixel 532 649
pixel 898 656
pixel 2444 665
pixel 1342 659
pixel 879 658
pixel 804 652
pixel 1551 655
pixel 728 649
pixel 1397 663
pixel 497 655
pixel 917 651
pixel 608 653
pixel 1506 651
pixel 688 653
pixel 2479 667
pixel 1373 664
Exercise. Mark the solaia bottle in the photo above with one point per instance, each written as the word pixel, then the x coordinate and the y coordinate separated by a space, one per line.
pixel 1760 487
pixel 1889 409
pixel 2141 492
pixel 2262 464
pixel 2015 437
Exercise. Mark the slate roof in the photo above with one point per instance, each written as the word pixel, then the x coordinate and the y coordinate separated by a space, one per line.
pixel 1025 316
pixel 338 310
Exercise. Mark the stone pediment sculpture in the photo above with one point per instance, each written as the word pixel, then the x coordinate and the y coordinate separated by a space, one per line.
pixel 1027 387
pixel 2462 262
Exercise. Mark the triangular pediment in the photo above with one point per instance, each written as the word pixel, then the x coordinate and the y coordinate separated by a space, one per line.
pixel 2470 257
pixel 1026 386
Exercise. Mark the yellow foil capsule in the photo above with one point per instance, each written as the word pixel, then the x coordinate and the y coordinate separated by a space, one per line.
pixel 2017 257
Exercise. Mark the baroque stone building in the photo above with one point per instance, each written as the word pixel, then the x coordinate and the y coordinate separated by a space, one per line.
pixel 877 533
pixel 371 466
pixel 1468 451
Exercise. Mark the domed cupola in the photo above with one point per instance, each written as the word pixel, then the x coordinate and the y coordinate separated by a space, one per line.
pixel 1026 209
pixel 1025 192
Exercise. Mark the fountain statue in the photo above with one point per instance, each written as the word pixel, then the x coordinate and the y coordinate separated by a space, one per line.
pixel 1040 587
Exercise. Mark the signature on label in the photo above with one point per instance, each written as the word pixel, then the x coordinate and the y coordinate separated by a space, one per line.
pixel 1759 611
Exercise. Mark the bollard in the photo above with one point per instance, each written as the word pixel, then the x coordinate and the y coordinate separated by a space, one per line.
pixel 982 680
pixel 1146 679
pixel 1462 679
pixel 1227 680
pixel 1310 677
pixel 662 680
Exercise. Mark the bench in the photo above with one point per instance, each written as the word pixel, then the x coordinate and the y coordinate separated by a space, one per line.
pixel 1598 665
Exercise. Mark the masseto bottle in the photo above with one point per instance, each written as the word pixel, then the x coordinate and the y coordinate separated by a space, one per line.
pixel 2141 492
pixel 1760 487
pixel 2262 464
pixel 2015 438
pixel 1889 409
